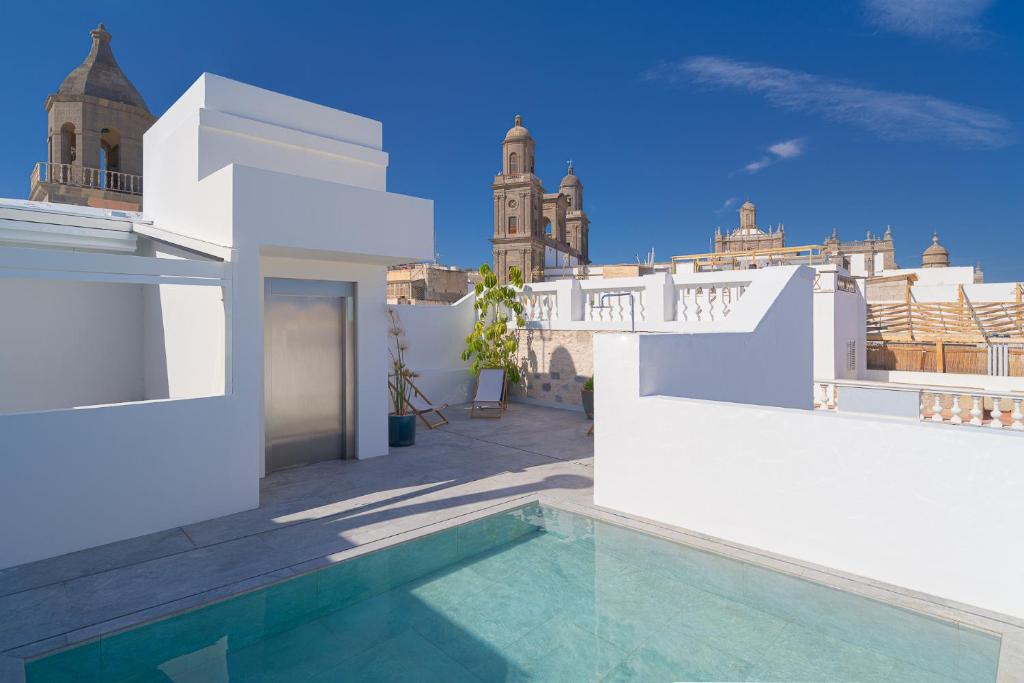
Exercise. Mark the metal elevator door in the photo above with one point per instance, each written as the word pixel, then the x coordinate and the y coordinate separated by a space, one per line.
pixel 307 372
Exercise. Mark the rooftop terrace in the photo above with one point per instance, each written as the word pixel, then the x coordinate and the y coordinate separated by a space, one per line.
pixel 308 517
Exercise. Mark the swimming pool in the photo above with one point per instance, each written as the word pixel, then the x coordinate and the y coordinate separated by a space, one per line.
pixel 537 593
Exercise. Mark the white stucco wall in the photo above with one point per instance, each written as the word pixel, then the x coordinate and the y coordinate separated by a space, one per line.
pixel 293 189
pixel 738 360
pixel 73 479
pixel 437 336
pixel 839 317
pixel 184 341
pixel 65 343
pixel 928 507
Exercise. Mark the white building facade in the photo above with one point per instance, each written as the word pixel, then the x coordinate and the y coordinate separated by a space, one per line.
pixel 137 391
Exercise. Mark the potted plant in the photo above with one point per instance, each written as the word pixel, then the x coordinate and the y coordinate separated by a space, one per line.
pixel 401 421
pixel 587 394
pixel 494 341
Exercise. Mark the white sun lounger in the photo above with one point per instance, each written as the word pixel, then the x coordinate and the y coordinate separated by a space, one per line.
pixel 490 393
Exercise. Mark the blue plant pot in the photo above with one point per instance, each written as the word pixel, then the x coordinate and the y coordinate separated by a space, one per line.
pixel 401 430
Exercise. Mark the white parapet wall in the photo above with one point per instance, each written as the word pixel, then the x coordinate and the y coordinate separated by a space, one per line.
pixel 914 504
pixel 436 336
pixel 73 479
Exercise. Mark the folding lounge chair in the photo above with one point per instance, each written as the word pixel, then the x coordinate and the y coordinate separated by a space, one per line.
pixel 490 393
pixel 425 410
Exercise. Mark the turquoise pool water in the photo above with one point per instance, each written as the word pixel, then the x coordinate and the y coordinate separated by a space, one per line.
pixel 537 594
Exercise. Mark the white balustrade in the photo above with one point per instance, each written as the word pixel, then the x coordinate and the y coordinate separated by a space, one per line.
pixel 997 415
pixel 825 395
pixel 934 404
pixel 976 410
pixel 601 308
pixel 707 301
pixel 955 411
pixel 539 306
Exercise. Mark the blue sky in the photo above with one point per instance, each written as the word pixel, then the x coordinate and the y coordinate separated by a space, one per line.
pixel 848 114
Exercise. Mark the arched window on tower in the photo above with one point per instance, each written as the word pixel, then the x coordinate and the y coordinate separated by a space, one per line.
pixel 513 225
pixel 110 159
pixel 68 150
pixel 547 227
pixel 513 164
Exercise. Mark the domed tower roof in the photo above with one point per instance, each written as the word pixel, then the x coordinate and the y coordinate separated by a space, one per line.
pixel 748 205
pixel 570 178
pixel 936 255
pixel 518 131
pixel 100 76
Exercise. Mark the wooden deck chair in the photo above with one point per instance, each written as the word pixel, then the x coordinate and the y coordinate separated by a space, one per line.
pixel 490 393
pixel 424 409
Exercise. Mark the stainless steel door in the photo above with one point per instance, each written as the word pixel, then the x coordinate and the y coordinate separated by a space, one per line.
pixel 307 372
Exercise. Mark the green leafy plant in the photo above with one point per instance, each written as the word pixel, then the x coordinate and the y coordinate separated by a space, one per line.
pixel 589 384
pixel 399 384
pixel 494 341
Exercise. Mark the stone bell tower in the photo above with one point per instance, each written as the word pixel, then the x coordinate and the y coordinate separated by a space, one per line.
pixel 518 208
pixel 96 120
pixel 577 225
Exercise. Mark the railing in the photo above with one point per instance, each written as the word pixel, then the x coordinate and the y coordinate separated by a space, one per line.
pixel 951 321
pixel 600 308
pixel 707 301
pixel 539 305
pixel 657 302
pixel 941 405
pixel 83 176
pixel 833 281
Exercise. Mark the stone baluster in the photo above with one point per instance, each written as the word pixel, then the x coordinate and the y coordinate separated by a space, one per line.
pixel 956 410
pixel 683 307
pixel 937 407
pixel 997 414
pixel 1017 415
pixel 975 410
pixel 822 395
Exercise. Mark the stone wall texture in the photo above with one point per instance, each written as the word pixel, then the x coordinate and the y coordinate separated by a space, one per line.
pixel 555 364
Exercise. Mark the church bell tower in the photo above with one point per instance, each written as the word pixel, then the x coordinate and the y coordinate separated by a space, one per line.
pixel 518 208
pixel 96 120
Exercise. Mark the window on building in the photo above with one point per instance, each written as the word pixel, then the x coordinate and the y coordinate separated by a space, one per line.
pixel 513 225
pixel 547 227
pixel 513 164
pixel 67 143
pixel 110 158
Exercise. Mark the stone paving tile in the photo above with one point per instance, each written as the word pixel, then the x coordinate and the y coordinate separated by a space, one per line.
pixel 33 614
pixel 93 560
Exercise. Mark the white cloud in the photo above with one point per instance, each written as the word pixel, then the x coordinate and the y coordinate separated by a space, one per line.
pixel 890 115
pixel 955 20
pixel 787 149
pixel 727 204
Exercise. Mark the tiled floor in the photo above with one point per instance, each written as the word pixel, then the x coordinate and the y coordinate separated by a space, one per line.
pixel 305 515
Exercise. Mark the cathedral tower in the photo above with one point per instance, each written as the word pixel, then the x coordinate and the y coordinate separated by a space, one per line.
pixel 577 225
pixel 518 208
pixel 533 230
pixel 95 120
